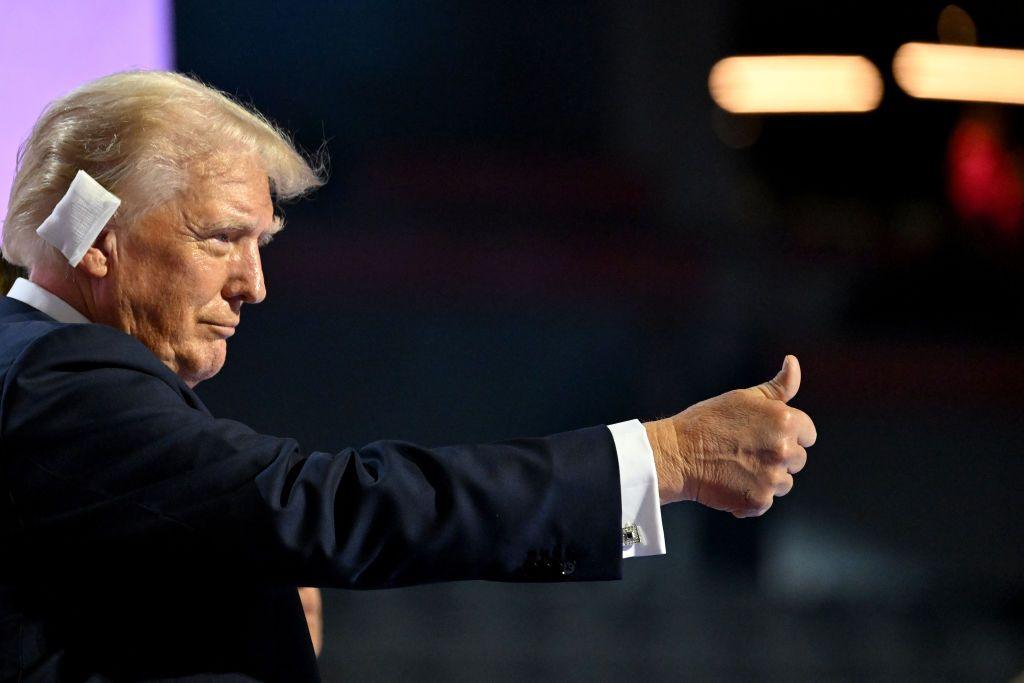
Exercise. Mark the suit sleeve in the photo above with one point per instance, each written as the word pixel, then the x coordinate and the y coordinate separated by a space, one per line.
pixel 110 471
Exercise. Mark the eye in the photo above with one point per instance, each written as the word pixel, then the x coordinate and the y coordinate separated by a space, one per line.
pixel 222 237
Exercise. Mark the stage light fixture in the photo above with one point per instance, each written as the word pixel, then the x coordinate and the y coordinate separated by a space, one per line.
pixel 960 72
pixel 795 84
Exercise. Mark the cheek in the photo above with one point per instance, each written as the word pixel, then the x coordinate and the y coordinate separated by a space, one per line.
pixel 174 297
pixel 206 280
pixel 191 285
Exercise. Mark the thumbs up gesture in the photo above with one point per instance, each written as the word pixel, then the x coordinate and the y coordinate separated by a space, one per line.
pixel 737 451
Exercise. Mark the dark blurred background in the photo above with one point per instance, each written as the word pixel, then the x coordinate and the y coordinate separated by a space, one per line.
pixel 538 219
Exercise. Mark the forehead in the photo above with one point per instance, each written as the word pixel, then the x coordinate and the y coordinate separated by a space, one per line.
pixel 230 188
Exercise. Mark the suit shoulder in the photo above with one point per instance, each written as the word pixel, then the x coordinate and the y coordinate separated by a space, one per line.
pixel 42 345
pixel 15 337
pixel 85 364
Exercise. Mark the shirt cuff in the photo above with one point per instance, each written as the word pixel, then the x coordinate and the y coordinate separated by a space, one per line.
pixel 642 532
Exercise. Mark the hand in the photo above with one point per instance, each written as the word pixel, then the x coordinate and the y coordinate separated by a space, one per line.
pixel 737 451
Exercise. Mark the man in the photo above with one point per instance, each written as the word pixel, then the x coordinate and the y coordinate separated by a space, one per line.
pixel 145 539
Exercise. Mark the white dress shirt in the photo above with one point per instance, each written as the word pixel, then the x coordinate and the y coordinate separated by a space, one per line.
pixel 642 531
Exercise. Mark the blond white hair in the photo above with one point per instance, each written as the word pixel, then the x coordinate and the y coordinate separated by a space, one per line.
pixel 137 133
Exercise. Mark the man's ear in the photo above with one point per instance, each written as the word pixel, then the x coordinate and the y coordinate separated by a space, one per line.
pixel 97 259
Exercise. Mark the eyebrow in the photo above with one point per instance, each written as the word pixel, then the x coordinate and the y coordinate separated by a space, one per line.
pixel 234 226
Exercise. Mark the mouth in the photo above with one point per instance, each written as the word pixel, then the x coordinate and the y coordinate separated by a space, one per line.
pixel 222 329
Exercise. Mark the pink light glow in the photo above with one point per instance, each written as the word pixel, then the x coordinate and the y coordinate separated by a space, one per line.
pixel 48 48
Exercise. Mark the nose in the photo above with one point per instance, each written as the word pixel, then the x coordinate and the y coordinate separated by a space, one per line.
pixel 246 283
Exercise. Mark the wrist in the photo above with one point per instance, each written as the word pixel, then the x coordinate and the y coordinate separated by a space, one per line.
pixel 667 461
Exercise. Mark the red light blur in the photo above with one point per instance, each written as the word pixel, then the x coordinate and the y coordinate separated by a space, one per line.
pixel 985 184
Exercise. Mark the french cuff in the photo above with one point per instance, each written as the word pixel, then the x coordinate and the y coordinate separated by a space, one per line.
pixel 642 532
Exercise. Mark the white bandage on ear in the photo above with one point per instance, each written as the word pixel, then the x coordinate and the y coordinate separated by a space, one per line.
pixel 79 217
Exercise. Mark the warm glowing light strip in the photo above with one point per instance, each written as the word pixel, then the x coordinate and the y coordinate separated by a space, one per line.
pixel 960 72
pixel 795 83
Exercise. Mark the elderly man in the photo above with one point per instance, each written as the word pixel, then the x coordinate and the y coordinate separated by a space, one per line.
pixel 145 539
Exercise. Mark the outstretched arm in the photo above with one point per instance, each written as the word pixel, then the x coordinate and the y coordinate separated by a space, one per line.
pixel 108 456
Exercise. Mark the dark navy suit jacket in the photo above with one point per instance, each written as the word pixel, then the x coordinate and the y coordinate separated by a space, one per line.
pixel 143 539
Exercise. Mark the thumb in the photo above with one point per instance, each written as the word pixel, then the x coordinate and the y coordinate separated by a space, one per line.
pixel 783 386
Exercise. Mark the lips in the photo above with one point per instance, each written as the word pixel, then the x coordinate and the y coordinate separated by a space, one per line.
pixel 223 329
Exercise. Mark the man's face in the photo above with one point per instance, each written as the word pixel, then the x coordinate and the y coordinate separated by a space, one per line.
pixel 182 274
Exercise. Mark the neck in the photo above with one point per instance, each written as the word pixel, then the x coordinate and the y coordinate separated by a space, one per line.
pixel 67 285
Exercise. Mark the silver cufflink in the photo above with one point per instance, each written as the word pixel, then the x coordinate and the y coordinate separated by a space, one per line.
pixel 631 536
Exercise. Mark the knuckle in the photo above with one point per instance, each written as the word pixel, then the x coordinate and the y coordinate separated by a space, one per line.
pixel 762 502
pixel 798 460
pixel 781 451
pixel 755 503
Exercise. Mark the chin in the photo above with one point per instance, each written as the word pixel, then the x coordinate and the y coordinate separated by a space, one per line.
pixel 200 369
